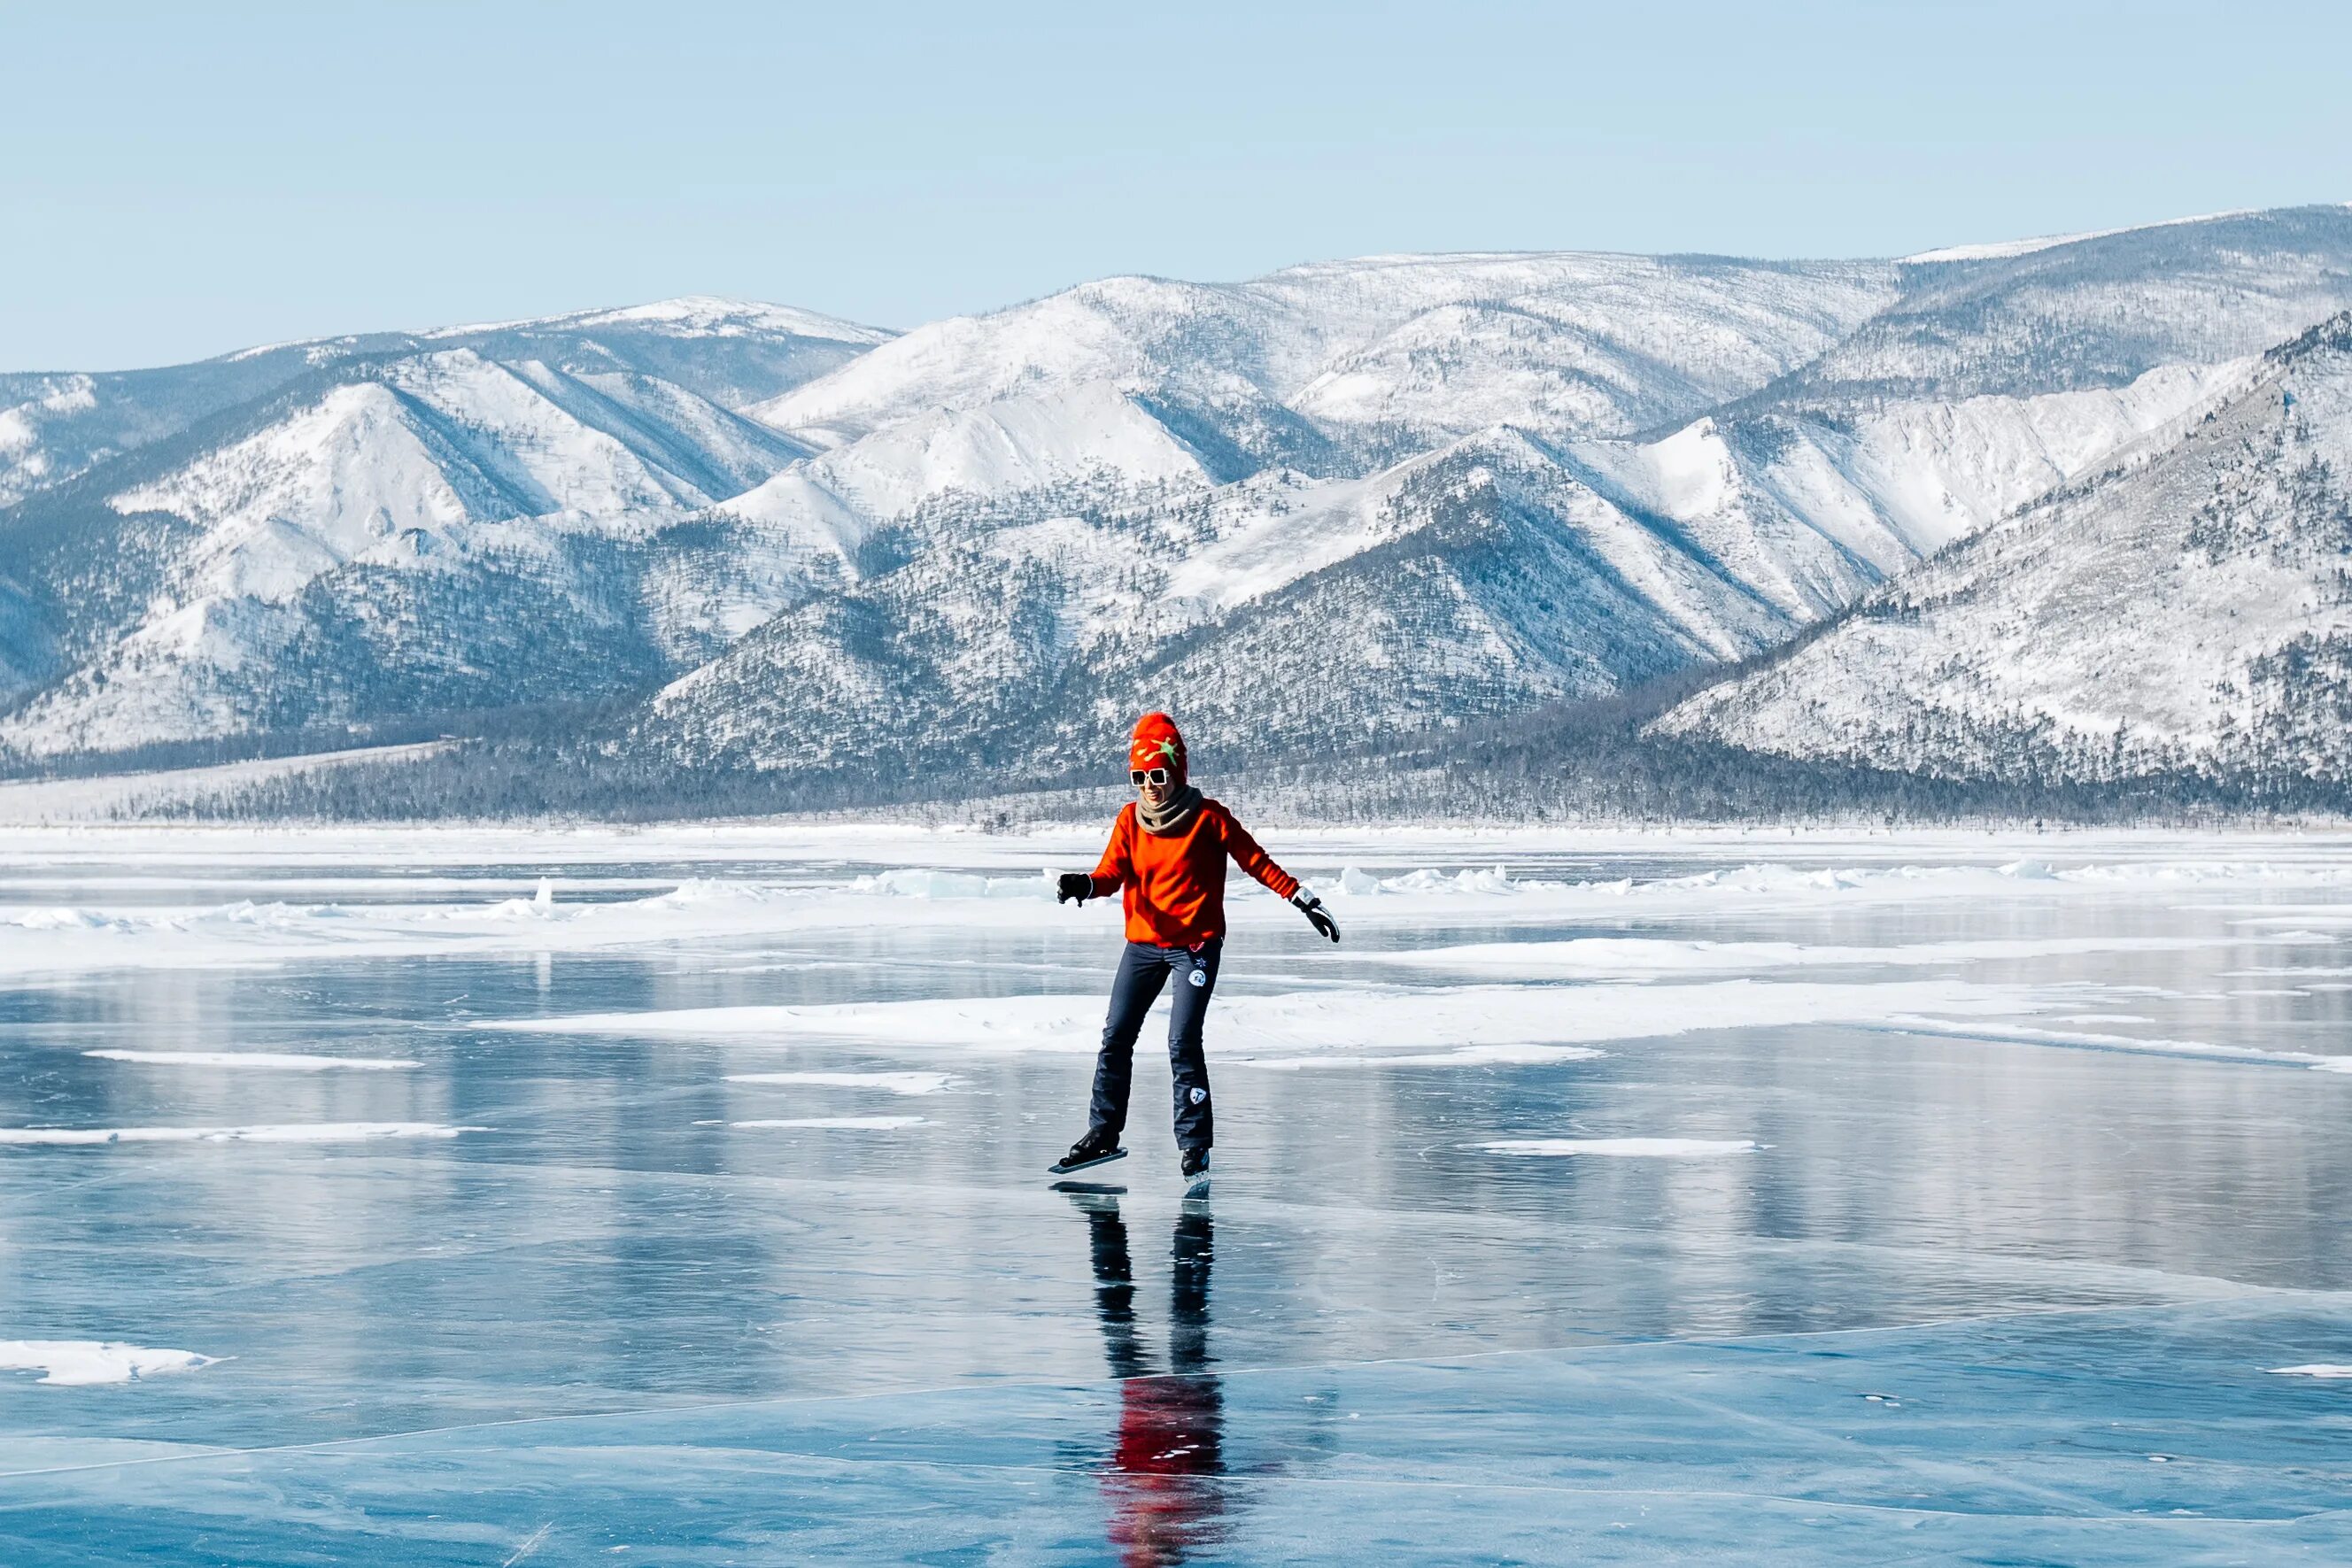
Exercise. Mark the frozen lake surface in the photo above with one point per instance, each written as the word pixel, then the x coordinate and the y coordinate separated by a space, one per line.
pixel 676 1197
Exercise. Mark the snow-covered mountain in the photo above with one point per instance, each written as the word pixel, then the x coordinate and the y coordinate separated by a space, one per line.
pixel 396 535
pixel 1327 366
pixel 1473 581
pixel 54 427
pixel 2187 608
pixel 1734 531
pixel 1364 498
pixel 1810 510
pixel 2098 310
pixel 1494 573
pixel 1025 445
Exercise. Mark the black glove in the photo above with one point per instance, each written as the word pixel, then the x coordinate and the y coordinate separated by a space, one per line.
pixel 1316 916
pixel 1073 884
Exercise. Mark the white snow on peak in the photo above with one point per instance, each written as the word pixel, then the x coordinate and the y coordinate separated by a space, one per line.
pixel 1274 529
pixel 305 495
pixel 2001 250
pixel 549 459
pixel 1134 450
pixel 2134 619
pixel 1014 444
pixel 26 461
pixel 1724 536
pixel 690 316
pixel 171 677
pixel 803 511
pixel 969 362
pixel 441 440
pixel 1942 470
pixel 68 394
pixel 1454 342
pixel 1687 475
pixel 1810 515
pixel 1088 432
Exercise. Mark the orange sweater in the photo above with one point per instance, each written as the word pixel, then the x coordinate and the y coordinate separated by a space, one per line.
pixel 1176 885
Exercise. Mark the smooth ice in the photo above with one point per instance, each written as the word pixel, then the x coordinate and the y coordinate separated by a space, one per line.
pixel 678 1195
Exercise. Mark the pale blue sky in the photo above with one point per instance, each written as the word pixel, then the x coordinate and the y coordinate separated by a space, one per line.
pixel 178 181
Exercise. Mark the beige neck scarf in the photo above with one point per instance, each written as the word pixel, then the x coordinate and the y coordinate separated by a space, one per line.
pixel 1168 819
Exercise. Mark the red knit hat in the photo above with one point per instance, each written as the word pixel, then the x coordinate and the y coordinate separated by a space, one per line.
pixel 1157 744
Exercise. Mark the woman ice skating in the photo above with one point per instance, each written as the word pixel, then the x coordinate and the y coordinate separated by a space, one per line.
pixel 1167 854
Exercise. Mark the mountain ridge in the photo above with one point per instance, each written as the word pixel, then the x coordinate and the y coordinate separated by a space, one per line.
pixel 1389 495
pixel 2004 654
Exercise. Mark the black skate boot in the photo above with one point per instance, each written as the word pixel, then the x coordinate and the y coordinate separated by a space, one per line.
pixel 1195 1166
pixel 1098 1147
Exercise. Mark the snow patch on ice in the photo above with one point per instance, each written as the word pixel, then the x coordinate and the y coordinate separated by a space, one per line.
pixel 73 1362
pixel 1523 1053
pixel 1606 956
pixel 852 1124
pixel 1624 1148
pixel 2020 1034
pixel 890 1082
pixel 2315 1369
pixel 1454 1027
pixel 71 938
pixel 909 882
pixel 62 920
pixel 281 1132
pixel 1358 884
pixel 271 1061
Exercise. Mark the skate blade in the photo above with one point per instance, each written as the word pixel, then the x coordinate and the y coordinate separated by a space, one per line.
pixel 1061 1168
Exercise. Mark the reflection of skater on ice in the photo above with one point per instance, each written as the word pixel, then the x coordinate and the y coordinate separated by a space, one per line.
pixel 1166 858
pixel 1168 1450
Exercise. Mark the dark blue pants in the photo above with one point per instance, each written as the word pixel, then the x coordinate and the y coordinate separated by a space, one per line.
pixel 1143 969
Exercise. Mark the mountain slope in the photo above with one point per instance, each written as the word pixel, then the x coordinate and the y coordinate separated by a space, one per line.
pixel 438 530
pixel 54 427
pixel 2098 311
pixel 1379 354
pixel 1810 512
pixel 2187 609
pixel 1473 581
pixel 1088 436
pixel 1380 496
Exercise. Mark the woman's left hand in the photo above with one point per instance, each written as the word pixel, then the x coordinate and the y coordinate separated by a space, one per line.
pixel 1316 916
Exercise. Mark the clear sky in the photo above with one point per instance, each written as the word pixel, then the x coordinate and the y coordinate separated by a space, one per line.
pixel 178 181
